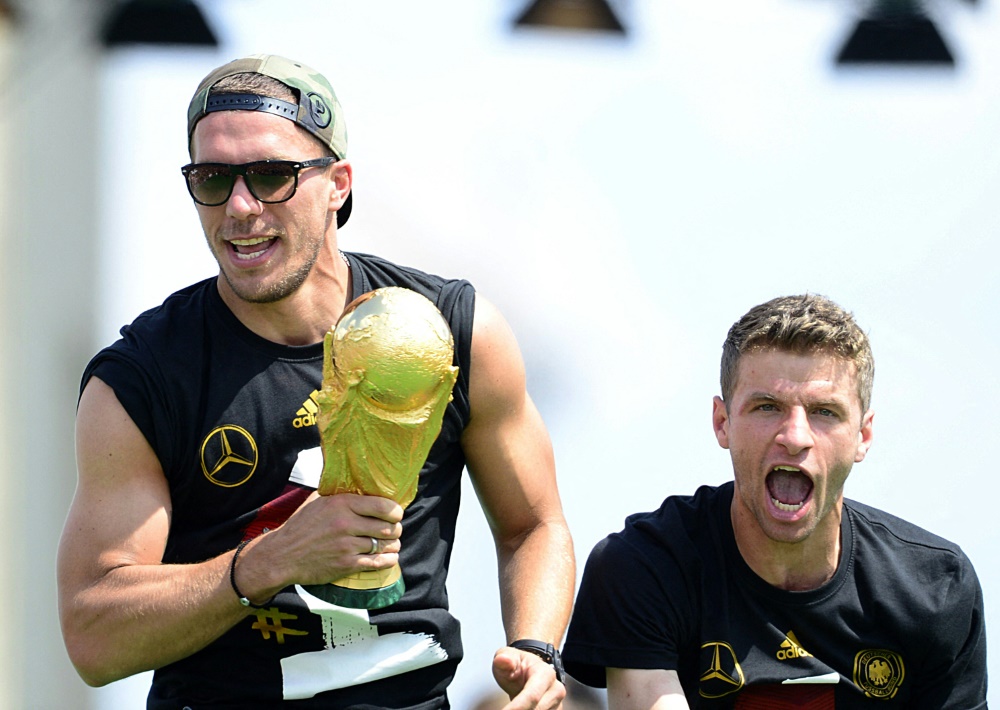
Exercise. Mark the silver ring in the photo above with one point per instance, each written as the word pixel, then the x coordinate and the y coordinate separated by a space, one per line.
pixel 374 549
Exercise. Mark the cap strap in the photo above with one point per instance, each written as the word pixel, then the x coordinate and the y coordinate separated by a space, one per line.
pixel 252 102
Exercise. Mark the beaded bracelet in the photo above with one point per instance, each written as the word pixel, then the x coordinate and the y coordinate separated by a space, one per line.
pixel 232 580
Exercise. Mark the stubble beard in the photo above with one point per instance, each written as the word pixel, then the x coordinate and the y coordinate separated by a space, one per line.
pixel 287 284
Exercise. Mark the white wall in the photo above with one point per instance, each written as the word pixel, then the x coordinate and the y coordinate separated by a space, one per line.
pixel 623 202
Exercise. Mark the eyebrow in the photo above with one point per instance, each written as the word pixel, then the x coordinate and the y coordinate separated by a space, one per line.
pixel 824 403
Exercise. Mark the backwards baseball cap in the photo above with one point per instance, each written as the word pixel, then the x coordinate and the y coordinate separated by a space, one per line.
pixel 317 111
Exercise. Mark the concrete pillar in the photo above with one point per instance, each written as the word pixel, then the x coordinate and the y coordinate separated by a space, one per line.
pixel 48 236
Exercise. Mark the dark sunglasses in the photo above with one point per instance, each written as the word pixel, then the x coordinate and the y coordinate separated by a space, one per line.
pixel 269 181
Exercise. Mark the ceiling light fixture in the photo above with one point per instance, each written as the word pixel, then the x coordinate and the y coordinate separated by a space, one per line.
pixel 577 15
pixel 896 32
pixel 177 22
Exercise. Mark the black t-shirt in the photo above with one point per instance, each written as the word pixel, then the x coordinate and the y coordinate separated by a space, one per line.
pixel 900 624
pixel 231 418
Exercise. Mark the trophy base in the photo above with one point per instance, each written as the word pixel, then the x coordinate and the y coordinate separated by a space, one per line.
pixel 362 590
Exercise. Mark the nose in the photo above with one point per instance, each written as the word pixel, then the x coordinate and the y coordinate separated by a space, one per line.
pixel 795 434
pixel 241 203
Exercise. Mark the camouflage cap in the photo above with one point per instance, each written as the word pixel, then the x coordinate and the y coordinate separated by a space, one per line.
pixel 318 110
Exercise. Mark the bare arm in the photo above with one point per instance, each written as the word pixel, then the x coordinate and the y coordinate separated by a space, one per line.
pixel 122 610
pixel 632 689
pixel 512 466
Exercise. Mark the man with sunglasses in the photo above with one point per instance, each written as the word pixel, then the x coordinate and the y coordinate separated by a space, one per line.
pixel 195 531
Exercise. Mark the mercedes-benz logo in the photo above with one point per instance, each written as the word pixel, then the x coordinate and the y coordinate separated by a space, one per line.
pixel 723 675
pixel 229 456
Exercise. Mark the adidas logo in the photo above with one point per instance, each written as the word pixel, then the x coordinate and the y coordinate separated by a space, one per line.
pixel 791 649
pixel 306 416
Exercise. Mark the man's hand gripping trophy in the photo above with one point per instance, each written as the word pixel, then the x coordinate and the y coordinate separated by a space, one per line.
pixel 387 381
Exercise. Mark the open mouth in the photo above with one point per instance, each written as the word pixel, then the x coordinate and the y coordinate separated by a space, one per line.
pixel 789 488
pixel 251 248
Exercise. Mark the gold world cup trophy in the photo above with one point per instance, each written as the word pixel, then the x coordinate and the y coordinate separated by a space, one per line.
pixel 387 381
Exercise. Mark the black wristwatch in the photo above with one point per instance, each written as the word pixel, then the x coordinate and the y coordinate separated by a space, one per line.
pixel 546 651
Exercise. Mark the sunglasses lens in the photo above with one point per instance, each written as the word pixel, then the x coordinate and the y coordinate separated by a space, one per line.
pixel 210 184
pixel 272 181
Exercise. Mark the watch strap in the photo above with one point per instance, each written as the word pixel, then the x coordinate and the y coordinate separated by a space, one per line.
pixel 546 651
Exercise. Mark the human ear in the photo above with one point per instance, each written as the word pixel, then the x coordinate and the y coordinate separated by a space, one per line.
pixel 343 180
pixel 865 435
pixel 720 422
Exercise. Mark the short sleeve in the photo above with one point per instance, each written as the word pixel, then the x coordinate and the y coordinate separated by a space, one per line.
pixel 632 611
pixel 956 676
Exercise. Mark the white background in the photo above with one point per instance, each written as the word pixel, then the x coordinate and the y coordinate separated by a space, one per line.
pixel 623 201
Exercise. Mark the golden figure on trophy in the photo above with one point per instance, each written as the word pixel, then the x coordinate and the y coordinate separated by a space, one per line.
pixel 388 375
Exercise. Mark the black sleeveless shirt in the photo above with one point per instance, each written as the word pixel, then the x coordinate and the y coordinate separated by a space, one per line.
pixel 231 417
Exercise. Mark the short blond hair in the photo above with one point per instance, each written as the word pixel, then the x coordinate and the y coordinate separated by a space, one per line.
pixel 800 324
pixel 253 83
